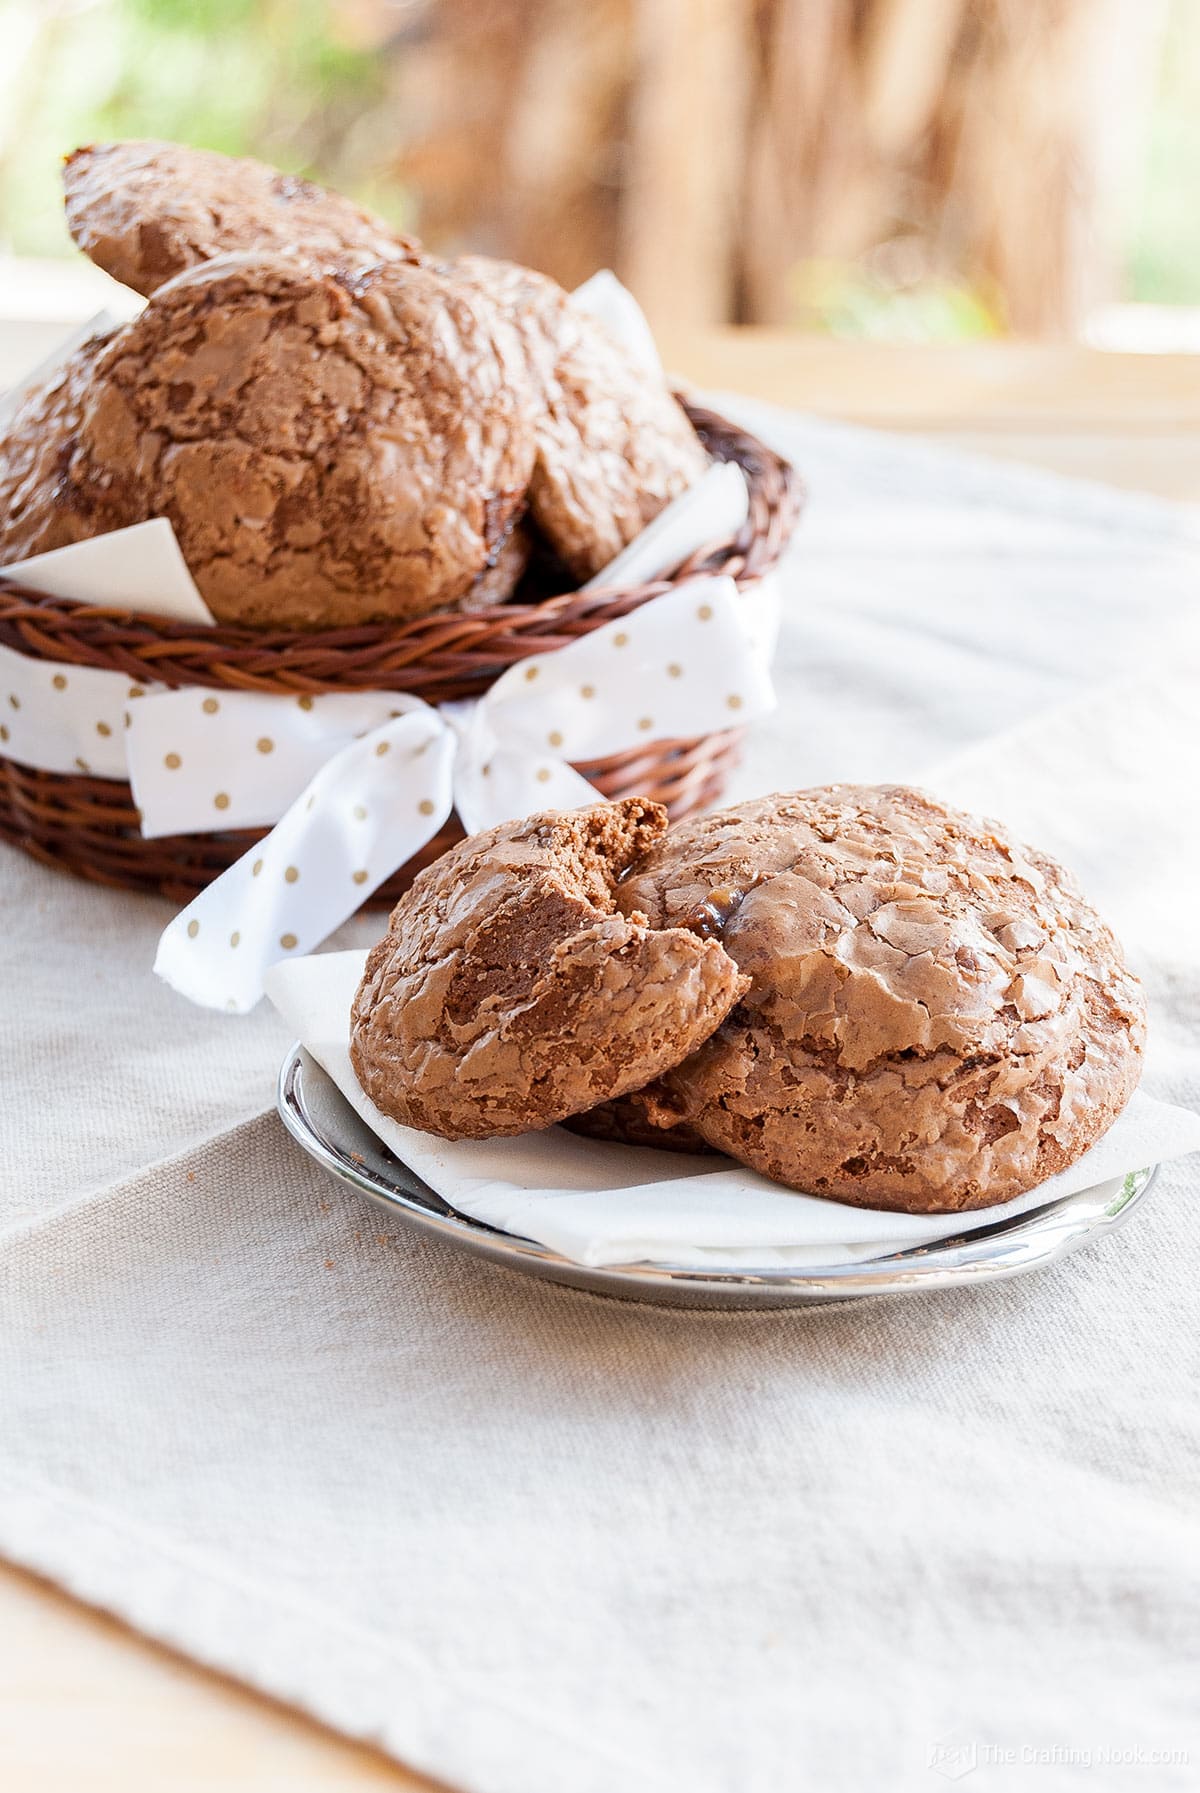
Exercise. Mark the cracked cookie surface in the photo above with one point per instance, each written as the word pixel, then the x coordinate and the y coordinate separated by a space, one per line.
pixel 329 451
pixel 937 1020
pixel 145 211
pixel 36 444
pixel 614 446
pixel 510 991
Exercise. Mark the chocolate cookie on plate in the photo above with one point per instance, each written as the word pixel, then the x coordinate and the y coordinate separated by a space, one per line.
pixel 936 1018
pixel 511 990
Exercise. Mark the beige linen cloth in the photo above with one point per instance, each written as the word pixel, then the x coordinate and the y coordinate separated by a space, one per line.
pixel 532 1541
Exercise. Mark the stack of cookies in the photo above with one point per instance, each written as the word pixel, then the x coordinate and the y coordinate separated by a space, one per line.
pixel 853 990
pixel 340 427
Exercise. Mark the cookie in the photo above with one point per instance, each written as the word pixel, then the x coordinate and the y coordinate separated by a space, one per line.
pixel 36 445
pixel 510 991
pixel 329 451
pixel 614 446
pixel 626 1121
pixel 498 581
pixel 936 1018
pixel 146 211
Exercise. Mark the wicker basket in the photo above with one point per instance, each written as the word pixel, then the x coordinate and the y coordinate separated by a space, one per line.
pixel 89 826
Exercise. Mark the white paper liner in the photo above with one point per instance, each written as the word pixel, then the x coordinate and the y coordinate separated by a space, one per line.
pixel 613 305
pixel 598 1203
pixel 139 568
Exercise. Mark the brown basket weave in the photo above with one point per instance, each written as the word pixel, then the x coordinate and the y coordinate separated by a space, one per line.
pixel 90 825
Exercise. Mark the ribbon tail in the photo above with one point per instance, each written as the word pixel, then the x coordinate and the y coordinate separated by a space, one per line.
pixel 519 781
pixel 364 814
pixel 497 779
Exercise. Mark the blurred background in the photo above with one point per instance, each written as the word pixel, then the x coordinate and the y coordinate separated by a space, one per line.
pixel 922 170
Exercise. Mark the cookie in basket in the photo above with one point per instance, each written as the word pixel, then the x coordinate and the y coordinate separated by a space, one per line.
pixel 341 430
pixel 614 445
pixel 329 452
pixel 145 211
pixel 36 444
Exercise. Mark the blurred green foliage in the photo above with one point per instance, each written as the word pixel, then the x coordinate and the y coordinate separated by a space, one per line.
pixel 288 80
pixel 875 300
pixel 275 78
pixel 1162 222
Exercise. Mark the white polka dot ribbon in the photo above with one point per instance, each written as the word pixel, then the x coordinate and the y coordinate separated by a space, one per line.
pixel 64 718
pixel 369 780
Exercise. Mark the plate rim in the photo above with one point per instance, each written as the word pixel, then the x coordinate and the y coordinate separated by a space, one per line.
pixel 1005 1248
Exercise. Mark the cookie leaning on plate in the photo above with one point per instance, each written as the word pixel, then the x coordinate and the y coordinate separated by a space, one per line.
pixel 929 1017
pixel 510 990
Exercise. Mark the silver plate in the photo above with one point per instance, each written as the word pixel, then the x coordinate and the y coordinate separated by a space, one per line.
pixel 320 1119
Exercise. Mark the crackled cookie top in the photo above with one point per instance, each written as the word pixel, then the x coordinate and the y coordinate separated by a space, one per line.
pixel 36 445
pixel 144 211
pixel 329 451
pixel 510 991
pixel 613 444
pixel 936 1019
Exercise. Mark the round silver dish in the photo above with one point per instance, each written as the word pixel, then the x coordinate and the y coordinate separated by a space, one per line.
pixel 320 1119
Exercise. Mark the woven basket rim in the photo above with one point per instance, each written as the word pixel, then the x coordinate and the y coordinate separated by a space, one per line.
pixel 88 826
pixel 444 655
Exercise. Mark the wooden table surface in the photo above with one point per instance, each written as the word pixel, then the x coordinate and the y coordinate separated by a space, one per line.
pixel 87 1706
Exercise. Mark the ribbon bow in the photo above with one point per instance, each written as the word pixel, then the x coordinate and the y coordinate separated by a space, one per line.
pixel 364 781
